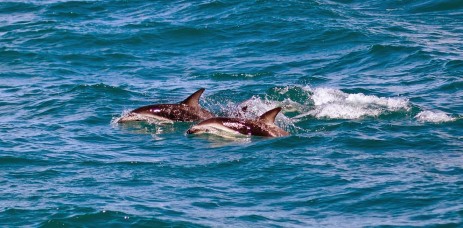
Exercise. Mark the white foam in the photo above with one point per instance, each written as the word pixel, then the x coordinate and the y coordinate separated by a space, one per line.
pixel 115 120
pixel 342 111
pixel 256 106
pixel 335 104
pixel 434 117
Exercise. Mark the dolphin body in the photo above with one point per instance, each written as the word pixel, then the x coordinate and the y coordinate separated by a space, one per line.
pixel 262 126
pixel 186 111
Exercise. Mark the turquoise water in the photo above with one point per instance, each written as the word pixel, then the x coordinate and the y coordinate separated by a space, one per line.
pixel 372 94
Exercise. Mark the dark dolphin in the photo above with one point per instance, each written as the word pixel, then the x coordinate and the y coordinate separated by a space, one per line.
pixel 262 126
pixel 186 111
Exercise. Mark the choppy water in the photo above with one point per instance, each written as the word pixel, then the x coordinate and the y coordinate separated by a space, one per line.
pixel 372 93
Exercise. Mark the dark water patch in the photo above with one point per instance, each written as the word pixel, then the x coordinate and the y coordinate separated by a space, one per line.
pixel 134 183
pixel 369 59
pixel 46 106
pixel 141 163
pixel 187 33
pixel 147 25
pixel 448 171
pixel 352 60
pixel 167 164
pixel 48 174
pixel 165 223
pixel 454 66
pixel 205 205
pixel 383 50
pixel 75 9
pixel 313 80
pixel 369 143
pixel 17 7
pixel 11 213
pixel 240 76
pixel 391 202
pixel 21 161
pixel 66 42
pixel 398 29
pixel 436 6
pixel 253 218
pixel 16 57
pixel 247 44
pixel 333 36
pixel 130 40
pixel 34 36
pixel 450 86
pixel 114 218
pixel 395 55
pixel 83 60
pixel 118 56
pixel 97 90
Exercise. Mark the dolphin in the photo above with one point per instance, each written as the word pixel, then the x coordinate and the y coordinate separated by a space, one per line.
pixel 188 110
pixel 262 126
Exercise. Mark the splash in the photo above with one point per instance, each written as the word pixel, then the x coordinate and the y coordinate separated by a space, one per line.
pixel 256 106
pixel 335 104
pixel 434 117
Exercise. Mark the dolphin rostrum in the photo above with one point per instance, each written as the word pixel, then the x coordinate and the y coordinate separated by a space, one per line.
pixel 186 111
pixel 262 126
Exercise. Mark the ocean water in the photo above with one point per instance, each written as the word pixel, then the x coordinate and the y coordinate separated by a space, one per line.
pixel 371 91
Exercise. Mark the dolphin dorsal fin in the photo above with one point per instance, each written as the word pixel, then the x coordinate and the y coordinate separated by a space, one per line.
pixel 193 99
pixel 269 116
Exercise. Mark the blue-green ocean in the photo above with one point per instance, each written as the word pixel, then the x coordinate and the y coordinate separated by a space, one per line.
pixel 371 91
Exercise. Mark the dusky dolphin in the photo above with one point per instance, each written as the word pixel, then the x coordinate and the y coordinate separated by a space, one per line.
pixel 262 126
pixel 186 111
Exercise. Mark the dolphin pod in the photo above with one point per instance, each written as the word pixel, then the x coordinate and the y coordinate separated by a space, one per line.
pixel 189 110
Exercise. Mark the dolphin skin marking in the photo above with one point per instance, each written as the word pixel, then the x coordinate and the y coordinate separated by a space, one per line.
pixel 186 111
pixel 262 126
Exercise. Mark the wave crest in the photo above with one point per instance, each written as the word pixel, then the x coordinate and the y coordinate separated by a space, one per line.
pixel 434 117
pixel 335 104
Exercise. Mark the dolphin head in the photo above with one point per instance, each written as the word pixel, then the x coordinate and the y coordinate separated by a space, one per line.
pixel 196 130
pixel 129 117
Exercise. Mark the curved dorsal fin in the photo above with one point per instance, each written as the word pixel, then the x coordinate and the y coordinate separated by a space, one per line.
pixel 269 116
pixel 193 99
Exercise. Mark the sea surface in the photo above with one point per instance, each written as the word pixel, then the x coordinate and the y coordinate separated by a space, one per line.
pixel 372 93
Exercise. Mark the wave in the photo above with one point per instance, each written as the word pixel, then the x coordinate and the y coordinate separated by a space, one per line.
pixel 434 117
pixel 302 103
pixel 113 218
pixel 10 160
pixel 436 6
pixel 335 104
pixel 256 106
pixel 330 103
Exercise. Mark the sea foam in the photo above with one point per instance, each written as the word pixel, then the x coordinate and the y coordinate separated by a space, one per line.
pixel 336 104
pixel 434 117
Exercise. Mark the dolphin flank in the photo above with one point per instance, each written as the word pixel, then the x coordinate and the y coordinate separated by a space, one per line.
pixel 262 126
pixel 186 111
